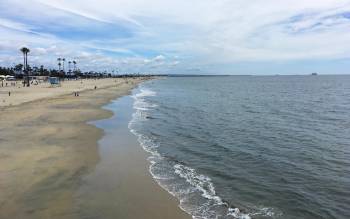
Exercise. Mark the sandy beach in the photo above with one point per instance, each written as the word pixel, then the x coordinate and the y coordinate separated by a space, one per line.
pixel 47 148
pixel 20 94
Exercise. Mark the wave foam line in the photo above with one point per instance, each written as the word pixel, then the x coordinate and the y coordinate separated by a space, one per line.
pixel 213 206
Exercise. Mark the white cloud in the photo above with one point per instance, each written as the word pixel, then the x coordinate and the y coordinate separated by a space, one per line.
pixel 201 32
pixel 14 25
pixel 159 58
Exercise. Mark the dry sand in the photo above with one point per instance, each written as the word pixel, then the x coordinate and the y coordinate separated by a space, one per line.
pixel 46 148
pixel 20 94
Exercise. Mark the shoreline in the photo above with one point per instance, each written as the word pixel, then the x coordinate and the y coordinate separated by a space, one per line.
pixel 131 189
pixel 42 158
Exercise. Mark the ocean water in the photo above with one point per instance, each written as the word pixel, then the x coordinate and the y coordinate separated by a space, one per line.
pixel 249 147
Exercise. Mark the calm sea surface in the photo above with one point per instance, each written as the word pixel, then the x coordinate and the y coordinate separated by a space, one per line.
pixel 249 147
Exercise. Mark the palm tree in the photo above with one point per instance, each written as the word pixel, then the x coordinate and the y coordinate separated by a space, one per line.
pixel 59 64
pixel 25 52
pixel 69 66
pixel 74 63
pixel 19 67
pixel 63 60
pixel 41 70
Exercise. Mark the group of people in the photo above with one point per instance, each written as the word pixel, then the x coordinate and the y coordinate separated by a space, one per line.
pixel 5 83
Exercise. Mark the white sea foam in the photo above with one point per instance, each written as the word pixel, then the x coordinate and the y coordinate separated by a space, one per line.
pixel 140 104
pixel 179 180
pixel 203 184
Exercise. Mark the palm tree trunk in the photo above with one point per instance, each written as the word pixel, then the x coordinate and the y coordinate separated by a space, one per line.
pixel 24 62
pixel 24 67
pixel 28 84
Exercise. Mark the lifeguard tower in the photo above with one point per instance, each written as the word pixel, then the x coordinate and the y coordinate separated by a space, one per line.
pixel 54 81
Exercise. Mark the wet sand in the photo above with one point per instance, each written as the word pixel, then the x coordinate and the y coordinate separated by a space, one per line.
pixel 121 184
pixel 46 150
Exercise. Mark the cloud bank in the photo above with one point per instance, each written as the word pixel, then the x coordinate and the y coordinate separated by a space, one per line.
pixel 197 36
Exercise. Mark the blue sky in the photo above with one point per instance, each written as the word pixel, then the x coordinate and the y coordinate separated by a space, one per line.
pixel 183 36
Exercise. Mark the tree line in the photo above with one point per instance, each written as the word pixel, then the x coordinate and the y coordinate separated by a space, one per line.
pixel 25 71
